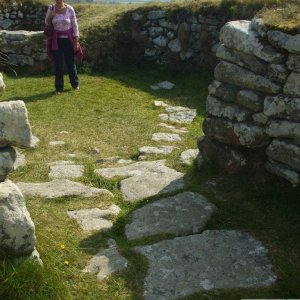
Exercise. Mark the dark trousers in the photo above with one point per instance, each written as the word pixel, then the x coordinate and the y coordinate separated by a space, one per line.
pixel 65 52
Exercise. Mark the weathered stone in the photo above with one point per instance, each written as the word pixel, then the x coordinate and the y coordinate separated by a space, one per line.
pixel 224 91
pixel 293 62
pixel 283 171
pixel 160 103
pixel 236 134
pixel 156 14
pixel 292 86
pixel 251 100
pixel 187 157
pixel 183 214
pixel 166 24
pixel 186 54
pixel 278 72
pixel 175 46
pixel 196 263
pixel 20 161
pixel 285 152
pixel 155 31
pixel 180 114
pixel 241 59
pixel 17 233
pixel 238 35
pixel 8 157
pixel 94 218
pixel 228 158
pixel 136 16
pixel 148 150
pixel 166 137
pixel 166 85
pixel 282 106
pixel 233 112
pixel 57 143
pixel 260 119
pixel 151 184
pixel 161 41
pixel 124 161
pixel 63 170
pixel 164 117
pixel 14 125
pixel 60 188
pixel 106 261
pixel 173 128
pixel 282 40
pixel 230 73
pixel 284 129
pixel 258 25
pixel 2 84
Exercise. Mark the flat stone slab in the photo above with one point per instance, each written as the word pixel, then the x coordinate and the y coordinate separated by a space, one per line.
pixel 179 114
pixel 184 214
pixel 188 156
pixel 57 143
pixel 60 188
pixel 66 171
pixel 166 137
pixel 215 259
pixel 149 150
pixel 106 262
pixel 173 128
pixel 165 85
pixel 158 103
pixel 94 218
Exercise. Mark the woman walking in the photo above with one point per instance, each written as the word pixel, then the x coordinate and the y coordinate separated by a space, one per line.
pixel 63 44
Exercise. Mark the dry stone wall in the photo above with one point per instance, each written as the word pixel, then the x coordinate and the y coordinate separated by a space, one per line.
pixel 253 104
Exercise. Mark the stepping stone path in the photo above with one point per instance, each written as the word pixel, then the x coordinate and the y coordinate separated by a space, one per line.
pixel 146 151
pixel 165 85
pixel 215 259
pixel 94 218
pixel 160 103
pixel 147 179
pixel 179 114
pixel 106 261
pixel 65 170
pixel 173 128
pixel 166 137
pixel 184 214
pixel 188 156
pixel 60 188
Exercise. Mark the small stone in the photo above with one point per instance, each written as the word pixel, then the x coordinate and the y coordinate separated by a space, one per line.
pixel 8 157
pixel 187 157
pixel 111 159
pixel 21 160
pixel 160 103
pixel 95 150
pixel 64 132
pixel 173 128
pixel 71 155
pixel 148 150
pixel 66 171
pixel 57 143
pixel 166 85
pixel 125 161
pixel 167 137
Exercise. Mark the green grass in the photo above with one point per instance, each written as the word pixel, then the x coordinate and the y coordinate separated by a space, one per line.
pixel 114 112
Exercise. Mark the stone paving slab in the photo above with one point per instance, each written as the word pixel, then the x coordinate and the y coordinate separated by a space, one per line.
pixel 166 137
pixel 94 218
pixel 106 262
pixel 182 214
pixel 188 156
pixel 149 150
pixel 179 114
pixel 150 184
pixel 66 171
pixel 215 259
pixel 166 85
pixel 173 128
pixel 60 188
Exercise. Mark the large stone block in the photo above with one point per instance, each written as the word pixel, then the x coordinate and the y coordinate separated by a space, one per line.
pixel 238 35
pixel 232 112
pixel 278 72
pixel 293 62
pixel 282 40
pixel 242 59
pixel 8 157
pixel 230 73
pixel 14 125
pixel 251 100
pixel 17 233
pixel 244 134
pixel 284 129
pixel 285 152
pixel 292 86
pixel 226 92
pixel 282 107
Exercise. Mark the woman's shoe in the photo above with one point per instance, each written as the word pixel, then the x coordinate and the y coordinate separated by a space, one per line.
pixel 76 89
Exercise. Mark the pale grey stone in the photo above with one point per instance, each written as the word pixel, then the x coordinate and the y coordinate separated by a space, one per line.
pixel 260 118
pixel 175 45
pixel 292 86
pixel 218 108
pixel 286 41
pixel 283 171
pixel 71 155
pixel 64 132
pixel 166 85
pixel 183 214
pixel 278 72
pixel 293 62
pixel 148 150
pixel 242 59
pixel 150 184
pixel 155 31
pixel 2 84
pixel 125 161
pixel 34 141
pixel 57 143
pixel 285 152
pixel 17 232
pixel 230 73
pixel 166 137
pixel 66 171
pixel 187 157
pixel 156 14
pixel 173 128
pixel 166 24
pixel 160 103
pixel 60 188
pixel 20 161
pixel 106 261
pixel 161 41
pixel 250 99
pixel 180 114
pixel 94 218
pixel 164 117
pixel 196 263
pixel 95 150
pixel 8 157
pixel 282 106
pixel 238 35
pixel 258 25
pixel 284 129
pixel 15 129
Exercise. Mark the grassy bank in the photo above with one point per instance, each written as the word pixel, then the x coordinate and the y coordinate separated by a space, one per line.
pixel 114 112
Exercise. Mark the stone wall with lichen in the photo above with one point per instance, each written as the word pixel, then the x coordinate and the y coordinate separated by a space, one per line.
pixel 253 105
